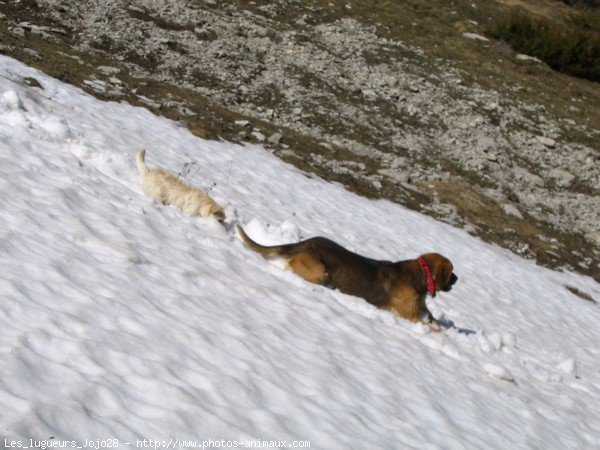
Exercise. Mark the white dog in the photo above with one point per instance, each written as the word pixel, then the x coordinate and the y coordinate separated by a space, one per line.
pixel 166 188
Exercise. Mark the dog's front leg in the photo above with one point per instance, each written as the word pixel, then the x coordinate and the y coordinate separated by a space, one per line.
pixel 434 325
pixel 427 318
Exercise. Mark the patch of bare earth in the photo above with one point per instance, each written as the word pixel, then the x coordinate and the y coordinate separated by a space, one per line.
pixel 410 141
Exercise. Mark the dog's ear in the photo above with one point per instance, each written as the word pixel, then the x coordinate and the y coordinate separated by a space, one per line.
pixel 441 269
pixel 216 209
pixel 442 275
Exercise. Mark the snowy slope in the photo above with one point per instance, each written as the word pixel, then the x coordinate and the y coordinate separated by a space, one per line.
pixel 124 319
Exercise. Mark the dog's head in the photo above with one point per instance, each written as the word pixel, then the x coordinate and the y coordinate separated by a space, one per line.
pixel 442 271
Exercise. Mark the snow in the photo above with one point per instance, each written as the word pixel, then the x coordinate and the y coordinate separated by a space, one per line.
pixel 476 37
pixel 497 371
pixel 124 319
pixel 522 57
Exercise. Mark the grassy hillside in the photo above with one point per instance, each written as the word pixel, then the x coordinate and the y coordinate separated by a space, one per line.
pixel 571 46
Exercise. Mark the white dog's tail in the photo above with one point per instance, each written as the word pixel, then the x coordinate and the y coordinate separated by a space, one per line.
pixel 140 161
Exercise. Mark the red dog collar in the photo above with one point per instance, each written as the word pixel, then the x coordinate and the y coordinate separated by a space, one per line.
pixel 427 272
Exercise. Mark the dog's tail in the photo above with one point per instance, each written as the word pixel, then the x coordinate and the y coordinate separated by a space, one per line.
pixel 266 251
pixel 140 161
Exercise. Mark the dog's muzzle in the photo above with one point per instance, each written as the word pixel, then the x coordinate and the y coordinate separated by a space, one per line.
pixel 448 287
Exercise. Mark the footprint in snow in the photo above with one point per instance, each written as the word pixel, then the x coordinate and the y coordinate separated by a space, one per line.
pixel 568 366
pixel 11 100
pixel 498 372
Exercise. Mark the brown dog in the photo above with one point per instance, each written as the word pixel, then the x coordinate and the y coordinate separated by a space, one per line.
pixel 400 287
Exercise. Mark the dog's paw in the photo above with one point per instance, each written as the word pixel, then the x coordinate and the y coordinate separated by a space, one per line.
pixel 435 326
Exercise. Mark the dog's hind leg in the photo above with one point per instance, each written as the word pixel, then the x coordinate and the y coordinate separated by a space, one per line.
pixel 309 267
pixel 408 304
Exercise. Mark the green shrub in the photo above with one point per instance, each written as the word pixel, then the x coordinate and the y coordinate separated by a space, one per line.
pixel 572 48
